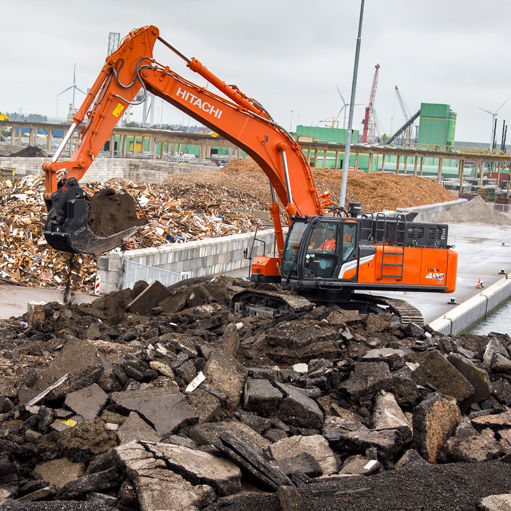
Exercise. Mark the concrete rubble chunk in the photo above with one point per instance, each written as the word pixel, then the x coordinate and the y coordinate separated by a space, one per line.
pixel 303 463
pixel 99 481
pixel 385 353
pixel 387 442
pixel 41 494
pixel 89 437
pixel 436 371
pixel 467 445
pixel 157 487
pixel 315 445
pixel 359 465
pixel 261 397
pixel 478 378
pixel 493 347
pixel 500 502
pixel 162 368
pixel 87 402
pixel 333 423
pixel 404 390
pixel 150 297
pixel 136 428
pixel 199 467
pixel 501 389
pixel 504 436
pixel 434 420
pixel 225 375
pixel 78 359
pixel 230 340
pixel 165 408
pixel 59 471
pixel 387 414
pixel 209 433
pixel 495 421
pixel 410 456
pixel 367 378
pixel 204 403
pixel 252 462
pixel 501 364
pixel 298 409
pixel 290 498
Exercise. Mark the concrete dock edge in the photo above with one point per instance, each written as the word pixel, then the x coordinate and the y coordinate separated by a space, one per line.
pixel 474 309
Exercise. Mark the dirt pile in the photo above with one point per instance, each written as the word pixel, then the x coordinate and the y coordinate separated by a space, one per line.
pixel 157 390
pixel 29 152
pixel 476 210
pixel 111 212
pixel 376 191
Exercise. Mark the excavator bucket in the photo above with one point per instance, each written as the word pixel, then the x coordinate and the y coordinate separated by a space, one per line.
pixel 67 227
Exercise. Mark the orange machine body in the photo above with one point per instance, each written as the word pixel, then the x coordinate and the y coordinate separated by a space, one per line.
pixel 424 267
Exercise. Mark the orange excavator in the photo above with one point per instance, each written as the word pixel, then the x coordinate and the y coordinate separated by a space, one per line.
pixel 326 250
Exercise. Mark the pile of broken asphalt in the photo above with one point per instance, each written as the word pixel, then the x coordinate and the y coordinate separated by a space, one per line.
pixel 162 399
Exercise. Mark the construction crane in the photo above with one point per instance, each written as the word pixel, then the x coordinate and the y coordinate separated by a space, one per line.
pixel 401 104
pixel 405 113
pixel 369 115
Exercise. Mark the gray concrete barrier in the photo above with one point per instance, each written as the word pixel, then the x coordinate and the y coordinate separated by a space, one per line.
pixel 102 169
pixel 474 309
pixel 193 259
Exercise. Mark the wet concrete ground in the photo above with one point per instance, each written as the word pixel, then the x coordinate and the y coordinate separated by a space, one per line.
pixel 14 299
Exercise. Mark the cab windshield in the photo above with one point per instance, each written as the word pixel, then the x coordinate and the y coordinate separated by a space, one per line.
pixel 289 256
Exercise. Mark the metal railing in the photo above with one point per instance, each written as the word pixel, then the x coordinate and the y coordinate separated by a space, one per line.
pixel 133 272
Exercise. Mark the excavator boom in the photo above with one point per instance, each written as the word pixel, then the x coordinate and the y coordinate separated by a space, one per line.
pixel 237 117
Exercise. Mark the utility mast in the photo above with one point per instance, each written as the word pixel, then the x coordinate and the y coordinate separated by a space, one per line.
pixel 369 127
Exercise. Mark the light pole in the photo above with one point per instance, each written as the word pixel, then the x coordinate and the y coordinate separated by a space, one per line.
pixel 347 146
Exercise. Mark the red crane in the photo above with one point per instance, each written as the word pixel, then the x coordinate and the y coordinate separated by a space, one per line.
pixel 369 115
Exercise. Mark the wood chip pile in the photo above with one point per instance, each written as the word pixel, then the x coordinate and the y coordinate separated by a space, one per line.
pixel 191 206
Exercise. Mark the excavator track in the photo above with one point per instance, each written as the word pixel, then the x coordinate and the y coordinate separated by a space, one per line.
pixel 406 312
pixel 257 302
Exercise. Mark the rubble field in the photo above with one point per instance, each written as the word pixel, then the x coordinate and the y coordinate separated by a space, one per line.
pixel 190 206
pixel 157 398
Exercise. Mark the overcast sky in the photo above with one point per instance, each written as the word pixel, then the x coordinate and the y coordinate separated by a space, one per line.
pixel 288 54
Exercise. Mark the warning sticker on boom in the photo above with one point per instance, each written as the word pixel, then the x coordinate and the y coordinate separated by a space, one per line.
pixel 118 109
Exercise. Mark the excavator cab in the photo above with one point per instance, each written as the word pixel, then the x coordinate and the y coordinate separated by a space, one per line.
pixel 316 248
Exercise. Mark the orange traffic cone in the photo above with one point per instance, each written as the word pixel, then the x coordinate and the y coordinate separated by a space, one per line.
pixel 480 285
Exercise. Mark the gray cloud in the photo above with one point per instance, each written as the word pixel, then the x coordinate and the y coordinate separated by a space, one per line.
pixel 289 54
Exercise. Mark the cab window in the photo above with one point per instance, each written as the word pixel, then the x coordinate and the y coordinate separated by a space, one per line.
pixel 294 238
pixel 321 258
pixel 349 233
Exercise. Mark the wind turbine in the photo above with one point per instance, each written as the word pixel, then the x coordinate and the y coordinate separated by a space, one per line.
pixel 493 123
pixel 344 107
pixel 74 87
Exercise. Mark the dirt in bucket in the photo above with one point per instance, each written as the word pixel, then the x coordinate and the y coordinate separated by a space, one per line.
pixel 111 212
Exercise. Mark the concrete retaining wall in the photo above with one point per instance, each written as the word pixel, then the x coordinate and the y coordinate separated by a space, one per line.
pixel 192 259
pixel 474 309
pixel 102 169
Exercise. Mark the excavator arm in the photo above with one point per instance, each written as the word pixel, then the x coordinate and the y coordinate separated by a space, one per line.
pixel 236 117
